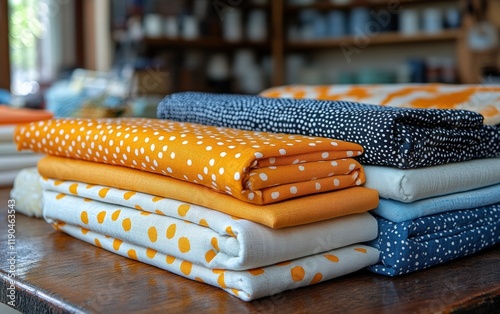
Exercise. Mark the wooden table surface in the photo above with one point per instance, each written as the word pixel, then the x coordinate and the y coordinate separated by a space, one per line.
pixel 56 273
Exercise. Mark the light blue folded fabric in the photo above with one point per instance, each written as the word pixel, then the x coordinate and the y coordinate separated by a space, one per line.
pixel 410 185
pixel 398 212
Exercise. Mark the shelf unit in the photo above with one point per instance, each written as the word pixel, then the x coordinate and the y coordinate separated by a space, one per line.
pixel 326 5
pixel 388 38
pixel 207 42
pixel 278 46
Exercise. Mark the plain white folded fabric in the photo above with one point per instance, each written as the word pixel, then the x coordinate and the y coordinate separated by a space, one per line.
pixel 21 161
pixel 244 284
pixel 7 177
pixel 9 148
pixel 7 133
pixel 194 233
pixel 27 192
pixel 409 185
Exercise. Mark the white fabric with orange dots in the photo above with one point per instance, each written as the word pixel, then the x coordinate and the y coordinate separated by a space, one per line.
pixel 244 258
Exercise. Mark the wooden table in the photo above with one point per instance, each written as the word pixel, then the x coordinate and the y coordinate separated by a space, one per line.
pixel 57 273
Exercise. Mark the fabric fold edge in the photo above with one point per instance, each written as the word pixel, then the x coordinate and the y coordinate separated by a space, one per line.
pixel 287 213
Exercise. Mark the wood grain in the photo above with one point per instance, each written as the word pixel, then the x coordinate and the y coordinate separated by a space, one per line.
pixel 4 43
pixel 57 273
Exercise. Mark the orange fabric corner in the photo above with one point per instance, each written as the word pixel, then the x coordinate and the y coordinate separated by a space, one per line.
pixel 302 210
pixel 11 115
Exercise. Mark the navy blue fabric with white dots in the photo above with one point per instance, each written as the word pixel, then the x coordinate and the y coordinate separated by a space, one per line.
pixel 409 246
pixel 398 137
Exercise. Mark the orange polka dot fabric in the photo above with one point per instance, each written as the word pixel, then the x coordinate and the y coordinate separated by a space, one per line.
pixel 293 212
pixel 255 167
pixel 484 99
pixel 196 243
pixel 195 233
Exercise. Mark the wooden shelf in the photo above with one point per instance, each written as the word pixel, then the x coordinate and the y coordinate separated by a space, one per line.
pixel 209 43
pixel 376 39
pixel 326 5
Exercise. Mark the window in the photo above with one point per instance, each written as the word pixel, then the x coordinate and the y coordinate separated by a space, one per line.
pixel 42 43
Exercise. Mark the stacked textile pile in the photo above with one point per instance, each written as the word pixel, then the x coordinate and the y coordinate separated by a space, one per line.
pixel 210 204
pixel 435 165
pixel 12 161
pixel 484 99
pixel 432 215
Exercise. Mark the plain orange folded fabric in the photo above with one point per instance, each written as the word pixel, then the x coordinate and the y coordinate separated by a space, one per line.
pixel 302 210
pixel 255 167
pixel 10 115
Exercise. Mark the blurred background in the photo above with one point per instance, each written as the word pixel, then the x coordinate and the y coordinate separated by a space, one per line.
pixel 120 57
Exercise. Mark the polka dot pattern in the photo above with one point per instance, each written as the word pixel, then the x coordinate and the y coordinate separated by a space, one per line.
pixel 194 233
pixel 398 137
pixel 431 240
pixel 244 284
pixel 255 167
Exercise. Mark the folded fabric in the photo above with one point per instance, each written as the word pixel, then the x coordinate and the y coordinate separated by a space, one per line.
pixel 7 177
pixel 397 137
pixel 7 133
pixel 248 284
pixel 484 99
pixel 194 233
pixel 10 149
pixel 424 242
pixel 19 162
pixel 410 185
pixel 256 167
pixel 12 115
pixel 396 211
pixel 302 210
pixel 27 192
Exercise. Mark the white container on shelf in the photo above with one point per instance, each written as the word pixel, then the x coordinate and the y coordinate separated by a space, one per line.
pixel 358 20
pixel 243 59
pixel 432 20
pixel 153 25
pixel 257 25
pixel 232 25
pixel 218 68
pixel 337 23
pixel 171 27
pixel 409 23
pixel 190 28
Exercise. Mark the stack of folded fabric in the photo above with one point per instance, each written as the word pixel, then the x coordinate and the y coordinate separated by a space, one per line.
pixel 12 161
pixel 431 167
pixel 484 99
pixel 253 213
pixel 432 215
